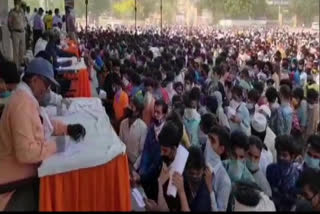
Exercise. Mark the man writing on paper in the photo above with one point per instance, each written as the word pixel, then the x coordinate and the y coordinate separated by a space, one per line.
pixel 23 138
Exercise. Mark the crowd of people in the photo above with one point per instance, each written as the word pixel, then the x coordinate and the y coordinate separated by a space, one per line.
pixel 243 102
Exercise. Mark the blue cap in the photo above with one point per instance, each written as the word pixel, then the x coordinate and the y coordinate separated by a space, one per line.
pixel 43 68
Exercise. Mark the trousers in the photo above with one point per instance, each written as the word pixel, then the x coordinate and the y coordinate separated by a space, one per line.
pixel 19 46
pixel 25 198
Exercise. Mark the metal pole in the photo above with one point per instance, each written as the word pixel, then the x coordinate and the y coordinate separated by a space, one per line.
pixel 86 2
pixel 161 16
pixel 135 15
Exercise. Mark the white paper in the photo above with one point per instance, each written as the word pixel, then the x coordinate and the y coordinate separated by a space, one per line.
pixel 177 165
pixel 138 197
pixel 75 65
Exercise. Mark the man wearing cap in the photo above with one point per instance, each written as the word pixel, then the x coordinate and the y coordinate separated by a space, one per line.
pixel 259 128
pixel 24 140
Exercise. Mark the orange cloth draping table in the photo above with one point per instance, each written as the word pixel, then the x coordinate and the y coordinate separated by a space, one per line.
pixel 80 83
pixel 102 188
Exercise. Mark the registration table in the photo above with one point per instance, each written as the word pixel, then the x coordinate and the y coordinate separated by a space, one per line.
pixel 92 175
pixel 80 81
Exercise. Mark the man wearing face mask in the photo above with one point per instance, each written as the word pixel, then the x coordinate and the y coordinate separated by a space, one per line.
pixel 253 163
pixel 24 140
pixel 216 147
pixel 235 166
pixel 283 175
pixel 310 182
pixel 241 119
pixel 312 156
pixel 151 154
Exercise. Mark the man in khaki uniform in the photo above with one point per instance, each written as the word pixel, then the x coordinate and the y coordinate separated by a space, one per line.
pixel 16 25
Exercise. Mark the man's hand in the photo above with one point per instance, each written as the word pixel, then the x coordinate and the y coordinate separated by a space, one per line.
pixel 235 119
pixel 177 180
pixel 151 205
pixel 135 178
pixel 164 175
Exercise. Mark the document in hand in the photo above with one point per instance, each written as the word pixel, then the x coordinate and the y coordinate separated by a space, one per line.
pixel 177 165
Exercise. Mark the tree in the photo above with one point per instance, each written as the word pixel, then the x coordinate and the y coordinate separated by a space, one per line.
pixel 124 8
pixel 305 11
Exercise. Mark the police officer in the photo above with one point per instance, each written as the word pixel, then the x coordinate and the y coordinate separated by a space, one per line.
pixel 16 25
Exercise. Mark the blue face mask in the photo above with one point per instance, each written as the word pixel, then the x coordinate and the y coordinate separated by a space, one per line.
pixel 235 170
pixel 312 162
pixel 5 94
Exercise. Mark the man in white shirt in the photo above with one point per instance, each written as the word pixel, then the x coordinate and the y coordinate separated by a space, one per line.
pixel 57 20
pixel 260 129
pixel 133 131
pixel 41 44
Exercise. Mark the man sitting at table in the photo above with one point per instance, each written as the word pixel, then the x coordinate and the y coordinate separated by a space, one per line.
pixel 54 51
pixel 23 138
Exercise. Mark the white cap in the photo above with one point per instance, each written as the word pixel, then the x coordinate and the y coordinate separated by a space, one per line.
pixel 259 122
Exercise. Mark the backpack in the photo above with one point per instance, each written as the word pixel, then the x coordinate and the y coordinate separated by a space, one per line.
pixel 277 122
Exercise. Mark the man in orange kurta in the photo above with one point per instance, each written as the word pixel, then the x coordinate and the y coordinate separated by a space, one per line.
pixel 23 145
pixel 120 101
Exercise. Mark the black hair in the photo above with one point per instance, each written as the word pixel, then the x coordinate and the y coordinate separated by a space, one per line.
pixel 271 94
pixel 285 91
pixel 189 77
pixel 312 95
pixel 311 177
pixel 286 143
pixel 223 135
pixel 163 105
pixel 178 107
pixel 286 82
pixel 239 139
pixel 195 94
pixel 9 72
pixel 259 86
pixel 314 142
pixel 196 159
pixel 237 90
pixel 255 141
pixel 208 121
pixel 254 95
pixel 247 193
pixel 298 93
pixel 56 10
pixel 148 82
pixel 117 80
pixel 171 134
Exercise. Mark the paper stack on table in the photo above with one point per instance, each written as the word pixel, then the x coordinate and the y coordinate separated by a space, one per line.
pixel 177 165
pixel 100 145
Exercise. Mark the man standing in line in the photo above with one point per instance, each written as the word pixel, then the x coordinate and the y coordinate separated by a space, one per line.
pixel 38 26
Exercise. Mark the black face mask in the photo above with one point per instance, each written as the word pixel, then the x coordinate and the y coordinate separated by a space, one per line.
pixel 166 160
